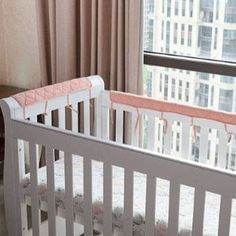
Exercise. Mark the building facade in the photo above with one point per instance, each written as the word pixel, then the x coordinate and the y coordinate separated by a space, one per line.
pixel 198 28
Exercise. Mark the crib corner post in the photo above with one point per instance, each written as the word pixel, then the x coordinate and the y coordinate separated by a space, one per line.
pixel 11 187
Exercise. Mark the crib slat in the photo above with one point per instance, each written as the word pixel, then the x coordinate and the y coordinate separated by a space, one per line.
pixel 21 158
pixel 48 118
pixel 86 117
pixel 20 174
pixel 225 215
pixel 98 117
pixel 150 205
pixel 69 194
pixel 51 191
pixel 185 141
pixel 168 138
pixel 35 119
pixel 20 210
pixel 75 118
pixel 61 118
pixel 88 229
pixel 135 124
pixel 119 125
pixel 223 140
pixel 105 123
pixel 173 222
pixel 34 190
pixel 203 147
pixel 151 145
pixel 198 213
pixel 128 203
pixel 107 199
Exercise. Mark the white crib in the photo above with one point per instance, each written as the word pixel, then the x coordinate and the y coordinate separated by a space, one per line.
pixel 83 140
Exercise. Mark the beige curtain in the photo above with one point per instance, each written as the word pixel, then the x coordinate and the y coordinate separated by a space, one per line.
pixel 84 37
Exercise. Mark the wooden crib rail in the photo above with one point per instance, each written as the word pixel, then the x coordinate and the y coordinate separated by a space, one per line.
pixel 178 172
pixel 172 131
pixel 58 102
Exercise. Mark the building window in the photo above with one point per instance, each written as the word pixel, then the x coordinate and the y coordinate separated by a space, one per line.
pixel 173 88
pixel 160 84
pixel 205 40
pixel 230 11
pixel 166 88
pixel 190 31
pixel 182 34
pixel 168 8
pixel 167 37
pixel 187 92
pixel 202 95
pixel 215 39
pixel 183 7
pixel 175 33
pixel 229 45
pixel 217 9
pixel 176 7
pixel 206 10
pixel 226 100
pixel 163 6
pixel 212 96
pixel 210 35
pixel 162 29
pixel 180 90
pixel 190 8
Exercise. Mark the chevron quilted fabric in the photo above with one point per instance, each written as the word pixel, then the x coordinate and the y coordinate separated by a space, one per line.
pixel 45 93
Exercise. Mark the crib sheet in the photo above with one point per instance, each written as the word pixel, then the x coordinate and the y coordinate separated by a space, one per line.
pixel 186 198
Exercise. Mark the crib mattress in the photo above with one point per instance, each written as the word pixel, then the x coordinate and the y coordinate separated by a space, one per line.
pixel 162 198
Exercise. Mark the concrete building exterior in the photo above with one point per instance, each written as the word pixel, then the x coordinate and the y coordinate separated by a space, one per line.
pixel 198 28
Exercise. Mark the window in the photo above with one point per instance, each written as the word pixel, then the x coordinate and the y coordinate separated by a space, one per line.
pixel 162 30
pixel 176 7
pixel 229 42
pixel 205 40
pixel 201 69
pixel 201 94
pixel 190 8
pixel 230 11
pixel 226 100
pixel 173 89
pixel 183 7
pixel 182 34
pixel 168 8
pixel 207 35
pixel 163 6
pixel 206 10
pixel 190 29
pixel 168 36
pixel 215 39
pixel 175 33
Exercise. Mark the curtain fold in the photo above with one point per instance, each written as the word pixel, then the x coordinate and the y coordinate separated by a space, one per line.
pixel 84 37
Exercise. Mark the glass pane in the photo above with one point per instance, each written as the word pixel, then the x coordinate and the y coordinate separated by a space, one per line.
pixel 192 88
pixel 199 28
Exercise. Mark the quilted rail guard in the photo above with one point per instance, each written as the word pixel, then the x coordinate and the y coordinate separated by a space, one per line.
pixel 163 106
pixel 45 93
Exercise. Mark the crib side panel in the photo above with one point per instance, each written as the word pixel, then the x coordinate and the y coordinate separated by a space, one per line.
pixel 132 160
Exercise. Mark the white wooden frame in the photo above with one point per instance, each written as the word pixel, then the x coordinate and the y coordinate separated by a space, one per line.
pixel 131 158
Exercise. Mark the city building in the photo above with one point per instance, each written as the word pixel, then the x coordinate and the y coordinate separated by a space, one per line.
pixel 197 28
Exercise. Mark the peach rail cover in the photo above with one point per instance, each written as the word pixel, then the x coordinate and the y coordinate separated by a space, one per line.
pixel 45 93
pixel 163 106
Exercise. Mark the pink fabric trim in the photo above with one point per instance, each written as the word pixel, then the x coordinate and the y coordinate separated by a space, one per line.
pixel 148 103
pixel 45 93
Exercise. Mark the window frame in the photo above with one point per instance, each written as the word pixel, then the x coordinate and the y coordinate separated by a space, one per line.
pixel 190 63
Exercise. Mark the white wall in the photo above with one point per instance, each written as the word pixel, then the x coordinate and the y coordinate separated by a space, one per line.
pixel 19 56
